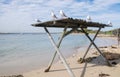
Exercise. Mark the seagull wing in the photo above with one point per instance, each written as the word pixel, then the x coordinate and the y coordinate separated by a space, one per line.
pixel 62 14
pixel 53 15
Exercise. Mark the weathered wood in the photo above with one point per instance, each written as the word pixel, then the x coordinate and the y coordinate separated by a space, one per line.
pixel 84 70
pixel 58 45
pixel 59 53
pixel 75 24
pixel 70 22
pixel 90 44
pixel 96 46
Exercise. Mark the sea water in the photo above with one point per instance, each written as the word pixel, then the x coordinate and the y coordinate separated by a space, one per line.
pixel 25 52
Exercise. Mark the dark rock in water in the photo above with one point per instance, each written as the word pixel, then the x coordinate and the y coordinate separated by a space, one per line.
pixel 13 76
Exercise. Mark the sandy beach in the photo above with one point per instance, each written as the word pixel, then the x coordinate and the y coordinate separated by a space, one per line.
pixel 74 38
pixel 95 67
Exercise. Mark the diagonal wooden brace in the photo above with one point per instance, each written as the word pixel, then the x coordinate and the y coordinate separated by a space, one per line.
pixel 95 46
pixel 58 45
pixel 90 45
pixel 65 33
pixel 60 54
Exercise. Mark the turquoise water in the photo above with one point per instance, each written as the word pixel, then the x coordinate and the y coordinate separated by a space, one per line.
pixel 24 52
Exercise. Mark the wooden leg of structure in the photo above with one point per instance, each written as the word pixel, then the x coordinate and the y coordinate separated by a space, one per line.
pixel 90 46
pixel 84 70
pixel 58 45
pixel 95 46
pixel 59 53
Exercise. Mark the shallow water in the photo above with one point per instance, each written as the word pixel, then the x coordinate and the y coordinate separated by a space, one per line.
pixel 24 52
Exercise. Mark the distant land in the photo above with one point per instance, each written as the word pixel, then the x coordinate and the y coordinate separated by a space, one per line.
pixel 30 33
pixel 110 32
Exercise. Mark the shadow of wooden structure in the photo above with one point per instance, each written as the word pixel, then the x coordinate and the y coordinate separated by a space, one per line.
pixel 113 58
pixel 78 25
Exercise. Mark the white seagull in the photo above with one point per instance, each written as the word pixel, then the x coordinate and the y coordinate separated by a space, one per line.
pixel 110 23
pixel 88 18
pixel 37 20
pixel 62 14
pixel 53 15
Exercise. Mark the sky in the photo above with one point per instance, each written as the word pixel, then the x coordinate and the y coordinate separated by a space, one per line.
pixel 18 15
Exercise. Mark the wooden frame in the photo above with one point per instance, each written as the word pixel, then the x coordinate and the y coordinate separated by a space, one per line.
pixel 74 24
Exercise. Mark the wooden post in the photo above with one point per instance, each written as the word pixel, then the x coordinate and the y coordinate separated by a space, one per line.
pixel 58 45
pixel 90 45
pixel 95 46
pixel 84 69
pixel 59 53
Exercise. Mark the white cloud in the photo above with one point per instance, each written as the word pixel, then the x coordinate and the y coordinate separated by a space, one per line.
pixel 17 15
pixel 99 5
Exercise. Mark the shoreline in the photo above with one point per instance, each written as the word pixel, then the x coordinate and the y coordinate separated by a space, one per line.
pixel 94 69
pixel 58 68
pixel 76 54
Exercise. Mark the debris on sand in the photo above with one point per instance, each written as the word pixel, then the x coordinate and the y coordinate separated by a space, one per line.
pixel 89 59
pixel 103 47
pixel 103 75
pixel 113 46
pixel 114 63
pixel 111 56
pixel 13 76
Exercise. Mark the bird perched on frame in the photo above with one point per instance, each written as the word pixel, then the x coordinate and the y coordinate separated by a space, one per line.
pixel 53 15
pixel 109 23
pixel 88 18
pixel 63 14
pixel 37 20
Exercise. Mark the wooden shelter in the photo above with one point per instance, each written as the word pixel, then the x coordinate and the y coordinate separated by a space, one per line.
pixel 74 25
pixel 70 23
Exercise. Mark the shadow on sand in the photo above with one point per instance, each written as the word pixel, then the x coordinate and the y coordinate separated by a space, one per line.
pixel 113 58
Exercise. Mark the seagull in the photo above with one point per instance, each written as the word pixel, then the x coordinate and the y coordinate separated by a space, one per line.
pixel 53 15
pixel 62 14
pixel 37 20
pixel 109 23
pixel 88 18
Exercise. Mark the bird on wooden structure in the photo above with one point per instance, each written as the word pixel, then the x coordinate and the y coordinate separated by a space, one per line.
pixel 63 14
pixel 109 23
pixel 37 20
pixel 88 18
pixel 53 15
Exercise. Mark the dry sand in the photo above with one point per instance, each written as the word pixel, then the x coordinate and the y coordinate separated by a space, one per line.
pixel 94 68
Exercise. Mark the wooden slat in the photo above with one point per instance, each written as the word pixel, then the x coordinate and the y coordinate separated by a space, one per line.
pixel 70 23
